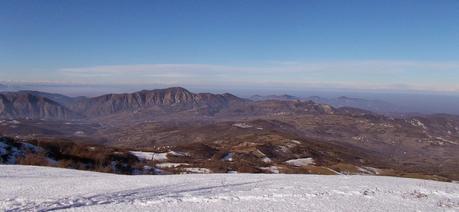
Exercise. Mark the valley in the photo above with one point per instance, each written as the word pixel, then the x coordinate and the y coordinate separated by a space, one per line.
pixel 222 133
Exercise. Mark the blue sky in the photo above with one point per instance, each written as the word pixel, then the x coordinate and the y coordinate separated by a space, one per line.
pixel 370 45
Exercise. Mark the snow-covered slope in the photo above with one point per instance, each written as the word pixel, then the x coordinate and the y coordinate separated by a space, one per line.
pixel 27 188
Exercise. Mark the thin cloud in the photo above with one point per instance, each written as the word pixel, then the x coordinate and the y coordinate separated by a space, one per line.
pixel 368 66
pixel 354 74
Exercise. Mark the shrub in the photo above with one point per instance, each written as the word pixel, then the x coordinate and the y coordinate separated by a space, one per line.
pixel 33 159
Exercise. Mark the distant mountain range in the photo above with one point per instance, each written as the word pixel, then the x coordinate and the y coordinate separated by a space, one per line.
pixel 35 104
pixel 167 102
pixel 284 97
pixel 342 101
pixel 146 103
pixel 58 98
pixel 3 87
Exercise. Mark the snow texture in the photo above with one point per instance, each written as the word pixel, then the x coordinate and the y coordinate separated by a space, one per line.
pixel 28 188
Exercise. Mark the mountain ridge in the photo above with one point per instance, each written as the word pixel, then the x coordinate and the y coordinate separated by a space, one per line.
pixel 176 98
pixel 377 106
pixel 26 105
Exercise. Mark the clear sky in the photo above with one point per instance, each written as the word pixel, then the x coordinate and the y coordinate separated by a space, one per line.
pixel 377 45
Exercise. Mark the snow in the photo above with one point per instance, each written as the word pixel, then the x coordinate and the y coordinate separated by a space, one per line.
pixel 15 122
pixel 271 169
pixel 445 140
pixel 197 170
pixel 79 133
pixel 266 160
pixel 228 157
pixel 170 165
pixel 180 154
pixel 242 125
pixel 300 162
pixel 295 141
pixel 28 188
pixel 369 170
pixel 150 155
pixel 417 123
pixel 157 156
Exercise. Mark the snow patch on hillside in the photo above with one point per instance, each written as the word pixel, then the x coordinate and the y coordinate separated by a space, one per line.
pixel 242 125
pixel 150 155
pixel 178 154
pixel 228 157
pixel 300 162
pixel 418 123
pixel 170 165
pixel 194 170
pixel 155 156
pixel 271 169
pixel 266 160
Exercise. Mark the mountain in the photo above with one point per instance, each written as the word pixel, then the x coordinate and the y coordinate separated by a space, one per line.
pixel 371 105
pixel 172 103
pixel 278 107
pixel 59 98
pixel 342 101
pixel 284 97
pixel 26 105
pixel 6 88
pixel 166 100
pixel 169 103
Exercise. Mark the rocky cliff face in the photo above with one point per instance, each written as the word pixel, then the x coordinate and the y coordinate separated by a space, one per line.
pixel 170 99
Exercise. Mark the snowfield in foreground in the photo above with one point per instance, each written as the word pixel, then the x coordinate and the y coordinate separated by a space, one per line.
pixel 28 188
